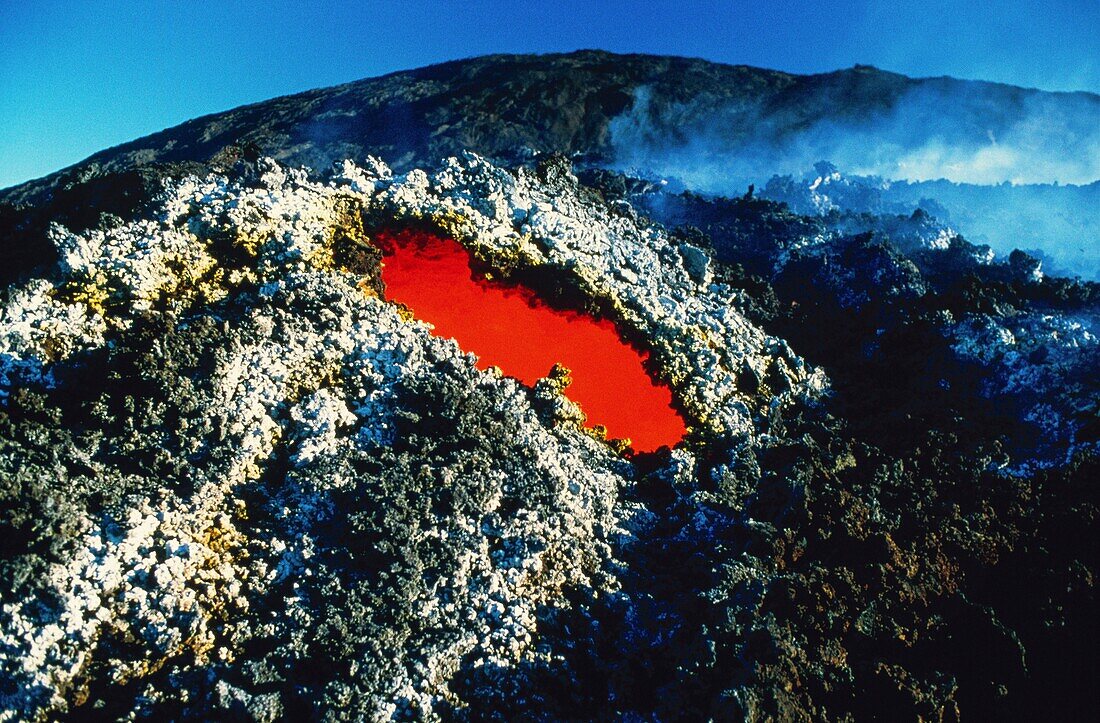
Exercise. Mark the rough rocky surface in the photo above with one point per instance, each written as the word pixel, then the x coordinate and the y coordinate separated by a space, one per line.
pixel 235 482
pixel 1050 221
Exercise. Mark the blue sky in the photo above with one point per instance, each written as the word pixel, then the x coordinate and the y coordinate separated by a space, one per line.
pixel 80 75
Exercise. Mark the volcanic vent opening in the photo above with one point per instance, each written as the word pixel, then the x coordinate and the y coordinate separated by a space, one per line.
pixel 510 327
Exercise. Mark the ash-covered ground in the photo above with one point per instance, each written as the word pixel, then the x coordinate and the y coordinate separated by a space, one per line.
pixel 236 482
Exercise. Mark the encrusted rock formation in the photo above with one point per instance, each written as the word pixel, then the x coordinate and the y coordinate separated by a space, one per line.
pixel 236 481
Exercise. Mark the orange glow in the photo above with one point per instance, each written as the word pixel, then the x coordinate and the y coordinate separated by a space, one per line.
pixel 509 327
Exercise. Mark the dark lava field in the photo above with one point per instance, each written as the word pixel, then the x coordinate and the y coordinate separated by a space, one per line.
pixel 255 464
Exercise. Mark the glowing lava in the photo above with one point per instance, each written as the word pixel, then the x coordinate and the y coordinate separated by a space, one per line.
pixel 509 327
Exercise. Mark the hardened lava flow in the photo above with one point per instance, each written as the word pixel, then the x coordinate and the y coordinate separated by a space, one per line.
pixel 253 463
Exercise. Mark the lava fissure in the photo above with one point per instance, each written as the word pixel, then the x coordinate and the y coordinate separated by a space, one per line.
pixel 510 327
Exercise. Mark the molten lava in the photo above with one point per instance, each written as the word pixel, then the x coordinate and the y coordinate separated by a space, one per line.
pixel 509 327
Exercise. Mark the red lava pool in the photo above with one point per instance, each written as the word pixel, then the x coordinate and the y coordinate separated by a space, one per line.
pixel 509 327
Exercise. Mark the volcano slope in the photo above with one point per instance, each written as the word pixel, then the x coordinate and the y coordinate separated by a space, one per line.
pixel 236 482
pixel 715 127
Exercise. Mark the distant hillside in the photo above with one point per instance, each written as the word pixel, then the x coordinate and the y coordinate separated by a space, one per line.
pixel 507 106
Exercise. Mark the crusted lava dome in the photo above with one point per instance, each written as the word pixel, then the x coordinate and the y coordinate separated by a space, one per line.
pixel 238 481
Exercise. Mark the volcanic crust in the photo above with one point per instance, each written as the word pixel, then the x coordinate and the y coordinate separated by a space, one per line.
pixel 236 481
